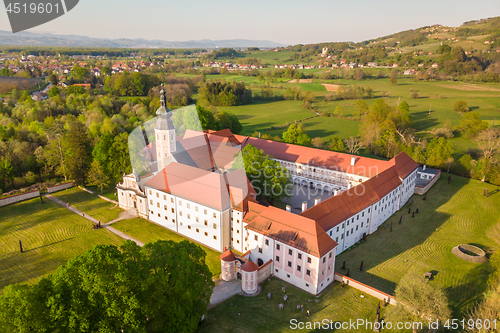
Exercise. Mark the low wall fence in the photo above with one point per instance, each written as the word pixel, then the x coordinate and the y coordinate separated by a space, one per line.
pixel 265 271
pixel 59 187
pixel 19 197
pixel 422 190
pixel 366 289
pixel 109 200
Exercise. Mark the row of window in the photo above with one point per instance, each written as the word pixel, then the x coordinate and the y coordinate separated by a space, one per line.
pixel 188 205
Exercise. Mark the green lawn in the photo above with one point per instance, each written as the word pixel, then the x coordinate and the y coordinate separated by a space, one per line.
pixel 90 204
pixel 260 116
pixel 452 214
pixel 149 232
pixel 258 314
pixel 50 234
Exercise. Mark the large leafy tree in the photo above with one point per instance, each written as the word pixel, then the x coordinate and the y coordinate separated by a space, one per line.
pixel 119 157
pixel 438 152
pixel 471 125
pixel 269 179
pixel 163 287
pixel 78 153
pixel 294 134
pixel 228 120
pixel 418 300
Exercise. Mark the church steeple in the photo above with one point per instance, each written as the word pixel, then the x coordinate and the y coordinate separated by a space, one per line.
pixel 164 134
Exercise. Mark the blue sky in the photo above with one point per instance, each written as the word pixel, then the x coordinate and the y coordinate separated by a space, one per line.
pixel 287 22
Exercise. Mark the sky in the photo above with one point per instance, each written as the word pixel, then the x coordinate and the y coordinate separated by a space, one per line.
pixel 287 22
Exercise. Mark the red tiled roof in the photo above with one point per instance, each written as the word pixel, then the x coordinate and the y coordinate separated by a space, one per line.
pixel 297 231
pixel 363 166
pixel 338 208
pixel 403 165
pixel 249 266
pixel 227 256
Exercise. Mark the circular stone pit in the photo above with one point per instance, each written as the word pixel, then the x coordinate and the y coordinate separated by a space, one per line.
pixel 470 253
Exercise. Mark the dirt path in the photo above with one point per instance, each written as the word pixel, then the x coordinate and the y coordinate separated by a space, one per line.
pixel 468 87
pixel 301 81
pixel 95 221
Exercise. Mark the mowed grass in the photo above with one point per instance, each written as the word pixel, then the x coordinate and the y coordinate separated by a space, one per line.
pixel 260 116
pixel 50 235
pixel 453 214
pixel 148 232
pixel 90 204
pixel 259 314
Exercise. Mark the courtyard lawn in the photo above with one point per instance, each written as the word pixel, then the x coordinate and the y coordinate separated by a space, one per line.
pixel 50 234
pixel 259 314
pixel 148 232
pixel 90 204
pixel 453 214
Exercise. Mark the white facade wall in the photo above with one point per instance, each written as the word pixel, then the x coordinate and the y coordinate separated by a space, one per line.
pixel 237 231
pixel 200 223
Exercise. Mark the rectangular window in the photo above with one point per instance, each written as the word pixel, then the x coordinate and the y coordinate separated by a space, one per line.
pixel 197 230
pixel 330 255
pixel 180 203
pixel 356 228
pixel 362 214
pixel 197 219
pixel 237 231
pixel 277 247
pixel 215 215
pixel 180 213
pixel 205 211
pixel 189 216
pixel 361 224
pixel 166 218
pixel 330 232
pixel 150 202
pixel 158 214
pixel 260 250
pixel 289 251
pixel 172 199
pixel 157 195
pixel 338 229
pixel 342 236
pixel 173 211
pixel 206 222
pixel 164 197
pixel 337 239
pixel 277 258
pixel 267 242
pixel 289 264
pixel 150 192
pixel 357 217
pixel 238 241
pixel 288 275
pixel 215 225
pixel 215 237
pixel 165 207
pixel 308 272
pixel 206 233
pixel 298 268
pixel 299 255
pixel 158 204
pixel 347 222
pixel 324 260
pixel 308 260
pixel 189 227
pixel 173 220
pixel 188 205
pixel 255 237
pixel 196 208
pixel 347 234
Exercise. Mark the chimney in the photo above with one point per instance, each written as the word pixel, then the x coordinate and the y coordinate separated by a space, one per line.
pixel 259 135
pixel 349 186
pixel 335 192
pixel 425 166
pixel 288 208
pixel 304 206
pixel 317 201
pixel 353 160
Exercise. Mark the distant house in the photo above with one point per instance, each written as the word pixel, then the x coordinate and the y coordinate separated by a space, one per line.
pixel 372 64
pixel 85 85
pixel 63 84
pixel 435 65
pixel 409 72
pixel 38 96
pixel 395 65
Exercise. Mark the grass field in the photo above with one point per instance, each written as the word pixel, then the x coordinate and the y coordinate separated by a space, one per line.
pixel 90 204
pixel 452 214
pixel 260 116
pixel 50 234
pixel 258 314
pixel 149 232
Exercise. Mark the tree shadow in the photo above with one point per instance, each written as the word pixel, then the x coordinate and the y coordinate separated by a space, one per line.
pixel 421 120
pixel 41 247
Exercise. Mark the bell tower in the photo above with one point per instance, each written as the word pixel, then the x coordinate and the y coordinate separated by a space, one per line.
pixel 165 138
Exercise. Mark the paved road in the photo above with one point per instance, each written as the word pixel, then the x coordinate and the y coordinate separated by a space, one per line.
pixel 224 290
pixel 90 218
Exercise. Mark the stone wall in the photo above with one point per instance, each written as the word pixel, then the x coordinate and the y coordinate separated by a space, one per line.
pixel 59 187
pixel 265 271
pixel 422 190
pixel 19 197
pixel 365 288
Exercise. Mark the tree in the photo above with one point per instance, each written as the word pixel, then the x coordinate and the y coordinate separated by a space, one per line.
pixel 393 79
pixel 489 142
pixel 318 142
pixel 77 152
pixel 353 145
pixel 336 144
pixel 269 179
pixel 438 152
pixel 418 299
pixel 226 119
pixel 470 125
pixel 97 176
pixel 119 157
pixel 361 108
pixel 460 106
pixel 339 111
pixel 53 79
pixel 294 134
pixel 162 287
